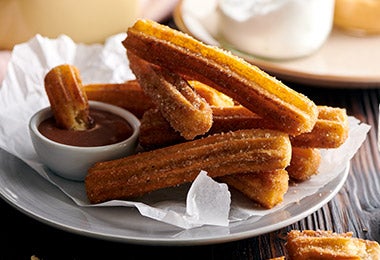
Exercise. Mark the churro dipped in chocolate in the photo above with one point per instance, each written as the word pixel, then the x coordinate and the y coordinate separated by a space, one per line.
pixel 182 107
pixel 242 151
pixel 285 108
pixel 67 99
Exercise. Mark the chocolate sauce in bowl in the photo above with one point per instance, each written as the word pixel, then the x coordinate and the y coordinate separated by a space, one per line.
pixel 109 129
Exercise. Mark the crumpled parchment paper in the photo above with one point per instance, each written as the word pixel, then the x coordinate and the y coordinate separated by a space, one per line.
pixel 204 202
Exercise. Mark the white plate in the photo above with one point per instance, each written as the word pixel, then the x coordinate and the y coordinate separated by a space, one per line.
pixel 343 61
pixel 31 194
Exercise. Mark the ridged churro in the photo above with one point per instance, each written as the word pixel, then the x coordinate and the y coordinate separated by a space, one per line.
pixel 221 154
pixel 182 107
pixel 68 101
pixel 128 95
pixel 212 96
pixel 309 244
pixel 289 110
pixel 330 130
pixel 305 163
pixel 265 188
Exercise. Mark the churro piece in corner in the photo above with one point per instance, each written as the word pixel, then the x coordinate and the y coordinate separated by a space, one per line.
pixel 309 244
pixel 68 101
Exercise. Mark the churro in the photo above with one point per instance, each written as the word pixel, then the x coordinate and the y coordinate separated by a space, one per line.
pixel 212 96
pixel 242 151
pixel 182 107
pixel 309 244
pixel 329 132
pixel 289 110
pixel 265 188
pixel 68 101
pixel 305 163
pixel 128 95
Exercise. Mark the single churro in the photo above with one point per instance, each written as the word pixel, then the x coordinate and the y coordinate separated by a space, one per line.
pixel 242 151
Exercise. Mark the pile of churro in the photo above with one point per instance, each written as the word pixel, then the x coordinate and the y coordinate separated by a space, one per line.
pixel 202 108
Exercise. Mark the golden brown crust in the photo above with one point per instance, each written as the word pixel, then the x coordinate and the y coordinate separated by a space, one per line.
pixel 219 155
pixel 211 95
pixel 265 188
pixel 309 244
pixel 182 107
pixel 245 83
pixel 128 95
pixel 330 131
pixel 304 164
pixel 68 101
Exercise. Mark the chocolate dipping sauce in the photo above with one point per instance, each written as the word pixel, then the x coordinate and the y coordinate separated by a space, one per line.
pixel 109 129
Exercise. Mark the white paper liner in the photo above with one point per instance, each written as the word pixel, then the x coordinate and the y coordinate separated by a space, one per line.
pixel 205 202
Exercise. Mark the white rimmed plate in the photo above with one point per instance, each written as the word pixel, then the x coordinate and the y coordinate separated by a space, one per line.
pixel 28 192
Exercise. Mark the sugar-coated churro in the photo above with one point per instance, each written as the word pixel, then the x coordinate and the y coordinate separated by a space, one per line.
pixel 242 151
pixel 127 95
pixel 182 107
pixel 265 188
pixel 212 96
pixel 68 101
pixel 291 111
pixel 327 133
pixel 305 163
pixel 330 131
pixel 309 244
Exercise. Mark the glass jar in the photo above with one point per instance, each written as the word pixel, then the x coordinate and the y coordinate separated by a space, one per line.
pixel 275 29
pixel 85 21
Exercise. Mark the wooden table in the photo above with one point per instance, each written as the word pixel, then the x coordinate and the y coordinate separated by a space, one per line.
pixel 355 208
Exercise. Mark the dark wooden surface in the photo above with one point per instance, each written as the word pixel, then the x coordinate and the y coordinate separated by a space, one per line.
pixel 355 208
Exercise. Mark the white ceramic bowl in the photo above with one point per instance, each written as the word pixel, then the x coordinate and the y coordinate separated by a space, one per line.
pixel 72 162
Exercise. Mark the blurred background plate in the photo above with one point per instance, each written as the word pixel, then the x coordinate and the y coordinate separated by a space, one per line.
pixel 344 61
